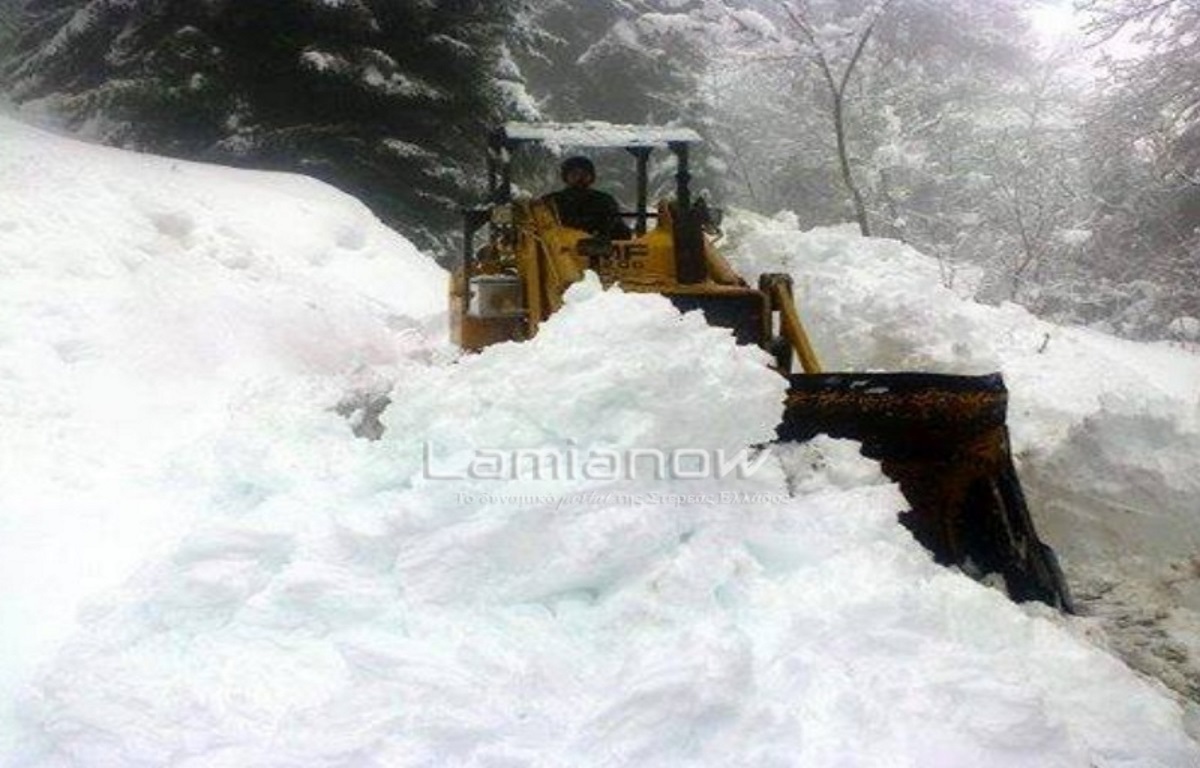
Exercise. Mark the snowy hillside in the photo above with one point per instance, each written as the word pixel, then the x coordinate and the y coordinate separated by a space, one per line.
pixel 143 302
pixel 256 586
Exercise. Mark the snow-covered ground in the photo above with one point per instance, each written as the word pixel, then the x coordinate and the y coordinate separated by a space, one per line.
pixel 202 566
pixel 145 304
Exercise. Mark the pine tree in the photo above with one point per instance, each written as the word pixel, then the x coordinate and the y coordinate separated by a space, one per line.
pixel 620 61
pixel 631 61
pixel 10 18
pixel 388 99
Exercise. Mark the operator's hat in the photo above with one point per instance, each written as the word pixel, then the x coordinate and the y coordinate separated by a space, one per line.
pixel 577 162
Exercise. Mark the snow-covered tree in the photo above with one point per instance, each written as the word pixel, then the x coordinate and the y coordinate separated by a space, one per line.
pixel 1145 164
pixel 630 61
pixel 387 98
pixel 933 122
pixel 625 61
pixel 1160 85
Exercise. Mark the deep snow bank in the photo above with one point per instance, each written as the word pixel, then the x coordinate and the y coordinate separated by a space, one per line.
pixel 1106 431
pixel 139 297
pixel 344 605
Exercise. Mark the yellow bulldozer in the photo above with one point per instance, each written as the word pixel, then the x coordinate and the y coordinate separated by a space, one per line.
pixel 942 438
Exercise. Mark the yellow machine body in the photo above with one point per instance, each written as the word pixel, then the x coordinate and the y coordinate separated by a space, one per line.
pixel 540 258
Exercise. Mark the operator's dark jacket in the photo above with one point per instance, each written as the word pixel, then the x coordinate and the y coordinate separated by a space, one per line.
pixel 590 210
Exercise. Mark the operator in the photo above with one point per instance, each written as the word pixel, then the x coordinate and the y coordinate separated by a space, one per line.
pixel 581 207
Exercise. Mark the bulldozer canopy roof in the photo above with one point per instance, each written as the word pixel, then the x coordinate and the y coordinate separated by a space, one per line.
pixel 594 134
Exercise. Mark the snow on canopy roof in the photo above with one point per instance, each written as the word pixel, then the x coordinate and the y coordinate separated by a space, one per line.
pixel 598 134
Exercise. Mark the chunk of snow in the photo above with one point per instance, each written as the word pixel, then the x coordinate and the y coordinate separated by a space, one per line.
pixel 1186 328
pixel 1073 237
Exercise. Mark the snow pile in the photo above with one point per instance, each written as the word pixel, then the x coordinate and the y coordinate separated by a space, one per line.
pixel 139 298
pixel 340 607
pixel 314 599
pixel 1106 431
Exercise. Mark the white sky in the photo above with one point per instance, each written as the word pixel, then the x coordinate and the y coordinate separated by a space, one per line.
pixel 1054 19
pixel 1058 24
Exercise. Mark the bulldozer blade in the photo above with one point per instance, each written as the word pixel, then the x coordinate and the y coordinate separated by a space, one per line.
pixel 943 440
